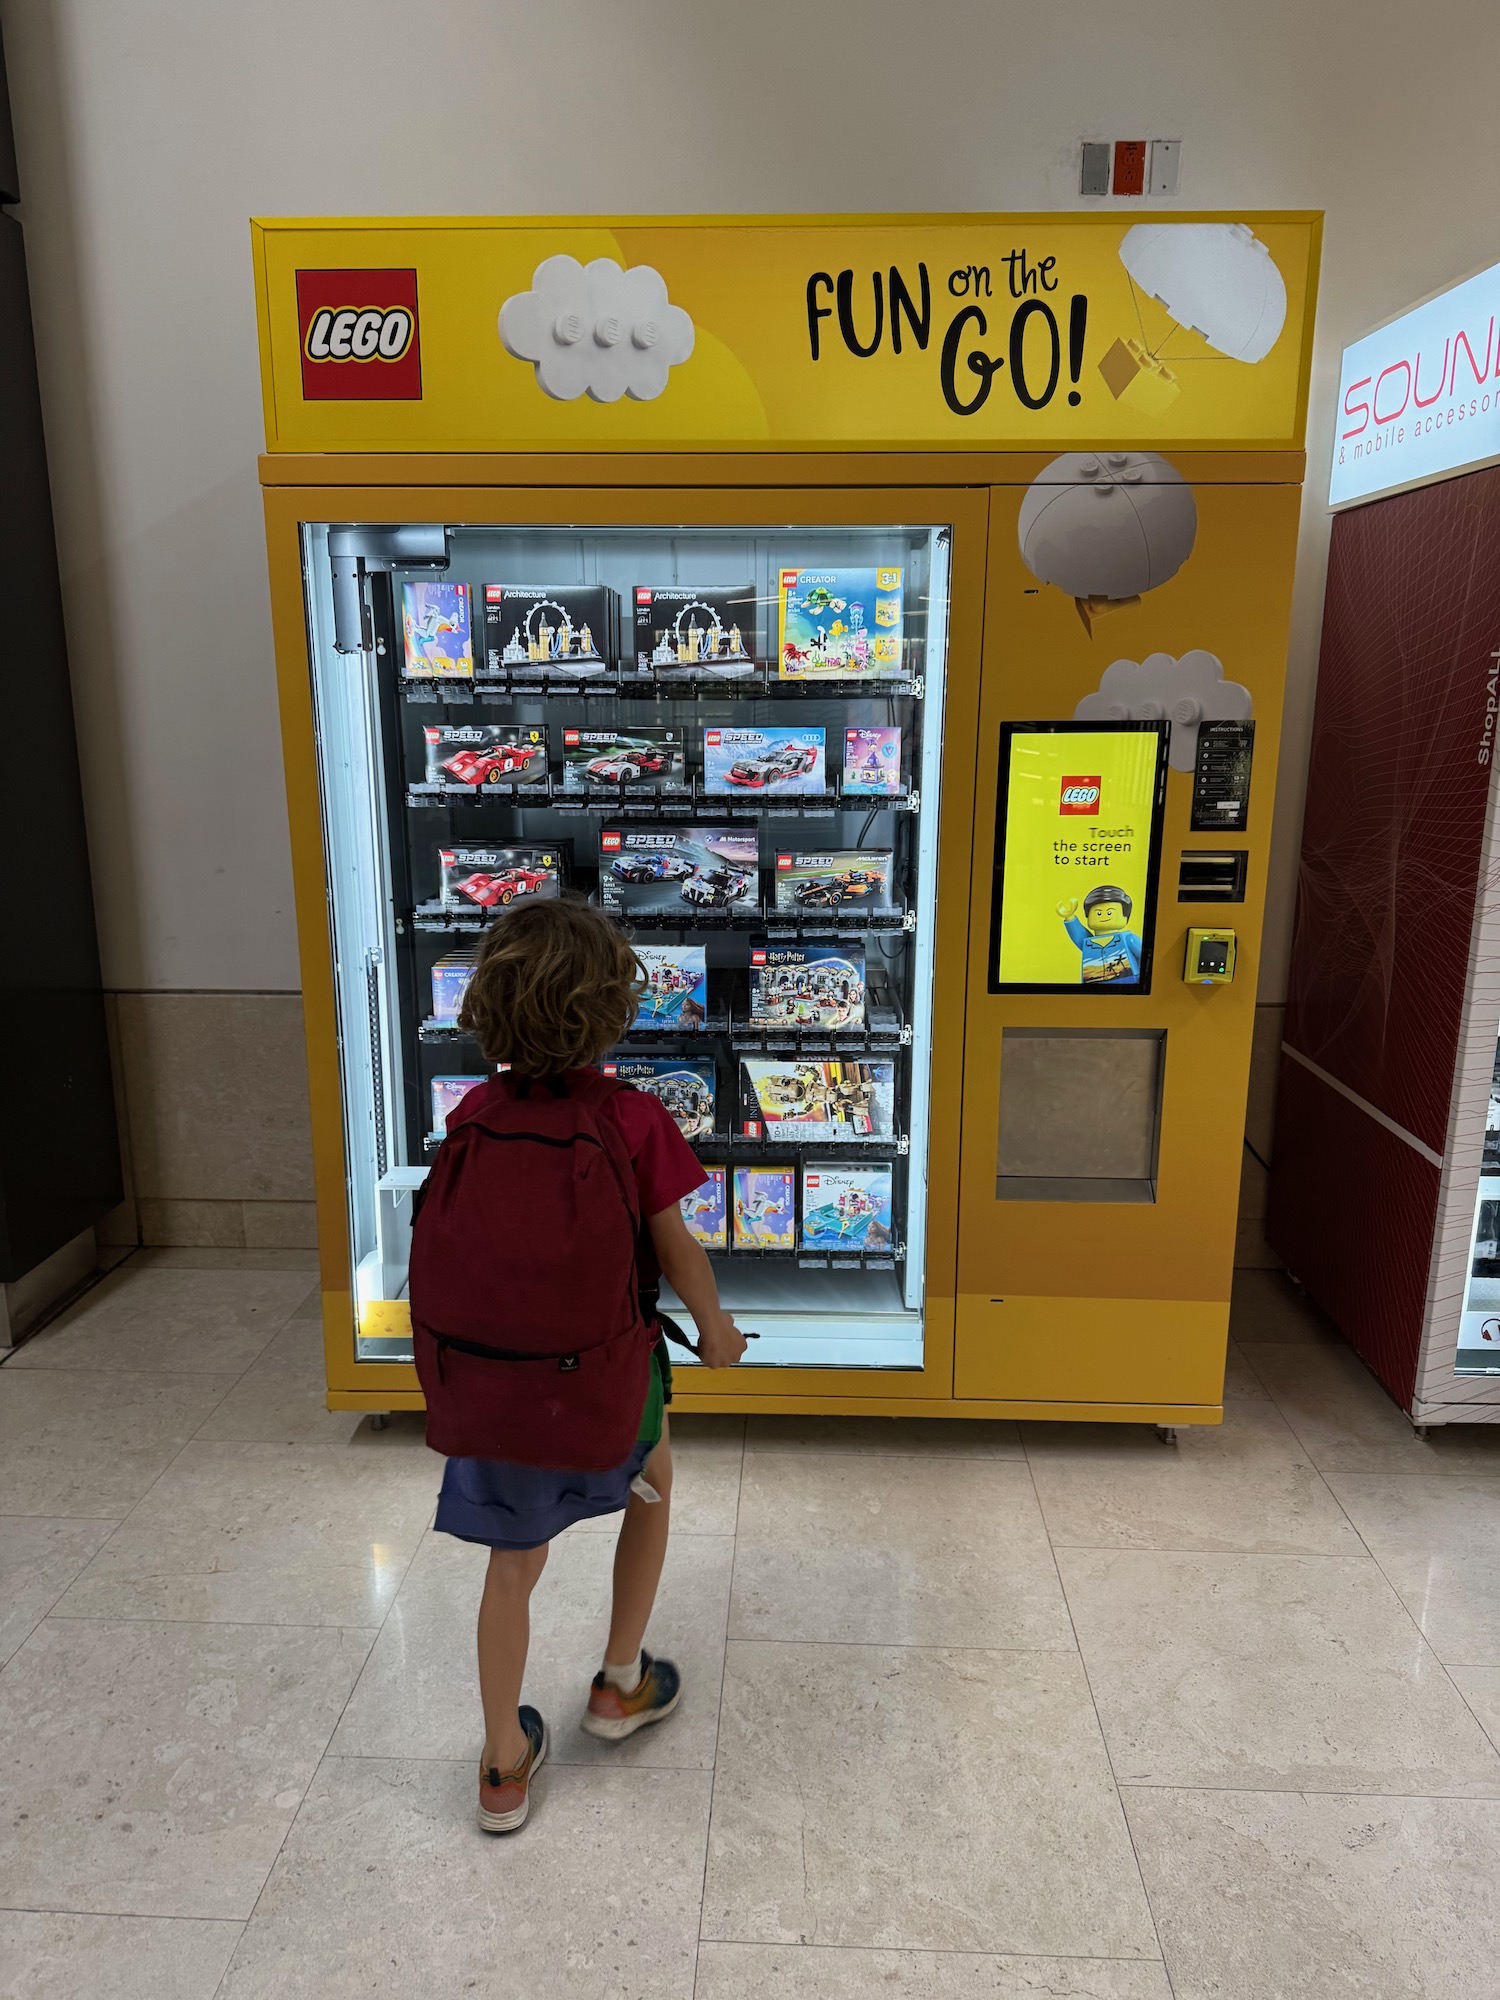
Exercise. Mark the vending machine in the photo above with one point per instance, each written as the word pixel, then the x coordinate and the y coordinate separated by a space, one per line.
pixel 767 584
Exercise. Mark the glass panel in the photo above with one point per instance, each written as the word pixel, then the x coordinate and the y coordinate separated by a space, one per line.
pixel 1479 1324
pixel 731 739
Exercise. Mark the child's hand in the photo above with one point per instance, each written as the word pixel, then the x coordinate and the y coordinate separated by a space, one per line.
pixel 720 1343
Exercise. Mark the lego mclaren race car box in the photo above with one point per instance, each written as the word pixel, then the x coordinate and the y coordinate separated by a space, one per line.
pixel 478 755
pixel 839 624
pixel 853 878
pixel 824 1102
pixel 751 761
pixel 571 629
pixel 492 878
pixel 679 871
pixel 807 986
pixel 644 760
pixel 707 631
pixel 685 1086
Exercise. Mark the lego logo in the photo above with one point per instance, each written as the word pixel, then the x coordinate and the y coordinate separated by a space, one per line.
pixel 1079 795
pixel 570 739
pixel 789 577
pixel 784 860
pixel 642 595
pixel 493 593
pixel 711 738
pixel 433 735
pixel 610 842
pixel 358 331
pixel 609 1069
pixel 757 958
pixel 366 335
pixel 813 1180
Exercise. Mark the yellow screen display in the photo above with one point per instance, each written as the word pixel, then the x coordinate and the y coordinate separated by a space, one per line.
pixel 1078 828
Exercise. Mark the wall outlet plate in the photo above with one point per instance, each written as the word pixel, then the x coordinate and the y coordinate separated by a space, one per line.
pixel 1130 166
pixel 1094 177
pixel 1166 156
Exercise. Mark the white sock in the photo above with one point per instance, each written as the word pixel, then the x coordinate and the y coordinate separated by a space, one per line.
pixel 627 1678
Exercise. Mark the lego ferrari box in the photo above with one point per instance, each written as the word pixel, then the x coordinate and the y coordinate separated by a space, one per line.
pixel 851 878
pixel 676 994
pixel 492 878
pixel 704 1211
pixel 872 763
pixel 765 1208
pixel 645 760
pixel 436 631
pixel 533 628
pixel 479 754
pixel 763 760
pixel 684 1085
pixel 450 981
pixel 707 630
pixel 846 1208
pixel 839 624
pixel 819 1101
pixel 807 986
pixel 447 1093
pixel 679 870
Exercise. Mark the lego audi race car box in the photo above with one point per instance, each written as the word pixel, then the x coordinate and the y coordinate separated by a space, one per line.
pixel 684 1086
pixel 676 994
pixel 763 760
pixel 645 760
pixel 818 1101
pixel 872 763
pixel 571 629
pixel 765 1208
pixel 839 624
pixel 704 1211
pixel 492 878
pixel 679 871
pixel 450 981
pixel 851 878
pixel 708 630
pixel 481 754
pixel 436 631
pixel 807 986
pixel 448 1092
pixel 846 1208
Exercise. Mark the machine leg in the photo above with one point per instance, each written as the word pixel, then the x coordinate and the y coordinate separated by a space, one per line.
pixel 378 1422
pixel 1421 1431
pixel 1167 1433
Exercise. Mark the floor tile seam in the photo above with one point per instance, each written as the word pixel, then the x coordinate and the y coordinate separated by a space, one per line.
pixel 1150 1549
pixel 713 1780
pixel 1315 1792
pixel 51 1514
pixel 127 1916
pixel 557 1760
pixel 51 1610
pixel 928 1951
pixel 233 1624
pixel 907 1457
pixel 916 1646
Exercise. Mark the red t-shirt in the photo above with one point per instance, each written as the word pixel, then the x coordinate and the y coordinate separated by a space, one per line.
pixel 666 1167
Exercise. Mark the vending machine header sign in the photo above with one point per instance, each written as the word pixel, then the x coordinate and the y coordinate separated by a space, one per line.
pixel 988 331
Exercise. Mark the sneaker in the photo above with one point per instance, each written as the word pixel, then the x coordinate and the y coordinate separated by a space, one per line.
pixel 614 1715
pixel 505 1796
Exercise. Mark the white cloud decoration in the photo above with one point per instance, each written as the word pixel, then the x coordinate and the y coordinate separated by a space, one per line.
pixel 1215 278
pixel 596 330
pixel 1159 688
pixel 1107 526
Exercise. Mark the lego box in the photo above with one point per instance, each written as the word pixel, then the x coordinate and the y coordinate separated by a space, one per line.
pixel 872 763
pixel 807 986
pixel 492 878
pixel 850 878
pixel 676 994
pixel 765 1208
pixel 763 760
pixel 450 980
pixel 685 1087
pixel 480 754
pixel 704 1211
pixel 531 628
pixel 846 1208
pixel 839 624
pixel 436 631
pixel 679 871
pixel 707 631
pixel 448 1092
pixel 646 760
pixel 820 1101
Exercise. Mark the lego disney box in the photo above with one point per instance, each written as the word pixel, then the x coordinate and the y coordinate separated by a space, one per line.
pixel 436 631
pixel 646 760
pixel 679 870
pixel 532 628
pixel 707 630
pixel 685 1086
pixel 763 760
pixel 839 624
pixel 676 994
pixel 820 1101
pixel 480 753
pixel 704 1211
pixel 448 1092
pixel 807 986
pixel 765 1208
pixel 849 878
pixel 872 763
pixel 846 1208
pixel 492 878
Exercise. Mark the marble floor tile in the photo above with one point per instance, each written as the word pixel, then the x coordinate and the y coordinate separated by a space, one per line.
pixel 1266 1305
pixel 1438 1540
pixel 707 1454
pixel 153 1770
pixel 1240 1378
pixel 955 1801
pixel 39 1557
pixel 1245 1485
pixel 172 1321
pixel 282 1397
pixel 80 1442
pixel 871 1550
pixel 887 1437
pixel 162 1258
pixel 385 1891
pixel 1291 1673
pixel 815 1972
pixel 261 1534
pixel 44 1956
pixel 1272 1896
pixel 1480 1688
pixel 1345 1421
pixel 418 1696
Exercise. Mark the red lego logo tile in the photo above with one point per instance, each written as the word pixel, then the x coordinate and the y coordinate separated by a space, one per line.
pixel 359 336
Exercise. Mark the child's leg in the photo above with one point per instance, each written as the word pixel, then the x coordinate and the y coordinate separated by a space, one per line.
pixel 504 1637
pixel 639 1555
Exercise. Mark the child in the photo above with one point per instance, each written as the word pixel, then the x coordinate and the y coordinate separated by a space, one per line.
pixel 555 986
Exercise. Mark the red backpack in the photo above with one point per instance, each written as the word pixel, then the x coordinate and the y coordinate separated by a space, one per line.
pixel 525 1309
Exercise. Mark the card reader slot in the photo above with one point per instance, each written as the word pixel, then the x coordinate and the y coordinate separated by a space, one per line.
pixel 1212 875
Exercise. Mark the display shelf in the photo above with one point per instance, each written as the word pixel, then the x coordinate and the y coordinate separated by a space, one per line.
pixel 644 805
pixel 885 1146
pixel 885 1259
pixel 759 685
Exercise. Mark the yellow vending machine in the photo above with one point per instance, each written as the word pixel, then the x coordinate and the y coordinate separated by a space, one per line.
pixel 885 618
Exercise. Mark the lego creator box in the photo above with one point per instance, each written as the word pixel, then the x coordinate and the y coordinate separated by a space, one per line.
pixel 820 1101
pixel 569 629
pixel 676 994
pixel 492 878
pixel 477 754
pixel 872 763
pixel 685 1087
pixel 704 1211
pixel 839 624
pixel 708 631
pixel 679 871
pixel 436 630
pixel 763 760
pixel 648 760
pixel 765 1208
pixel 851 878
pixel 846 1208
pixel 807 986
pixel 448 1092
pixel 450 981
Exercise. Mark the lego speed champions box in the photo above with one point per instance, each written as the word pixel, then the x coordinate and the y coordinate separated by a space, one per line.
pixel 765 1208
pixel 850 878
pixel 820 1101
pixel 682 869
pixel 478 754
pixel 643 760
pixel 706 630
pixel 846 1208
pixel 704 1211
pixel 492 878
pixel 676 994
pixel 570 629
pixel 436 631
pixel 807 986
pixel 872 763
pixel 763 760
pixel 685 1087
pixel 839 624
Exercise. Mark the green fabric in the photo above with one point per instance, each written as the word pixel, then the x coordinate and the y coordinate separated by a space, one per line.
pixel 657 1392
